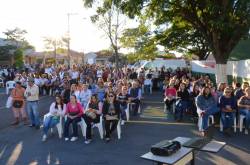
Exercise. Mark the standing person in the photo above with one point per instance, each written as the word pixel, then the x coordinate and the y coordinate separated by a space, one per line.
pixel 111 113
pixel 32 96
pixel 18 104
pixel 57 109
pixel 74 112
pixel 92 115
pixel 244 107
pixel 228 107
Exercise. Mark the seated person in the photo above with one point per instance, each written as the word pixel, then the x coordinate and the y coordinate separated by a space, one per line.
pixel 170 94
pixel 74 113
pixel 135 96
pixel 92 115
pixel 244 107
pixel 182 102
pixel 57 109
pixel 227 104
pixel 123 99
pixel 84 95
pixel 206 105
pixel 111 113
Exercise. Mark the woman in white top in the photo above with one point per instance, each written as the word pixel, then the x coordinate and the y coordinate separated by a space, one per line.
pixel 57 109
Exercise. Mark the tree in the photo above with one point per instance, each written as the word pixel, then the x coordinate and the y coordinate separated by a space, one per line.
pixel 221 23
pixel 140 42
pixel 55 45
pixel 17 44
pixel 108 18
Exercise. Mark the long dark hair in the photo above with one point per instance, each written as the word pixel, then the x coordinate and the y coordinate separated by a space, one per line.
pixel 203 92
pixel 61 102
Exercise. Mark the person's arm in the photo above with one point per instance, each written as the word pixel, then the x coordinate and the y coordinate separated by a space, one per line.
pixel 241 104
pixel 100 106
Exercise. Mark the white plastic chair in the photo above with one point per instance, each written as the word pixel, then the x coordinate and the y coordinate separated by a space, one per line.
pixel 235 125
pixel 58 126
pixel 98 125
pixel 165 107
pixel 119 129
pixel 210 117
pixel 10 85
pixel 242 117
pixel 1 82
pixel 81 124
pixel 127 111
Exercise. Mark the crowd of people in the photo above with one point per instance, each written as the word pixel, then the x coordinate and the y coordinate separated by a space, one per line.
pixel 91 93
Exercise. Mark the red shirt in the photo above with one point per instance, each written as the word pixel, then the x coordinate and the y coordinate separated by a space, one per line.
pixel 170 91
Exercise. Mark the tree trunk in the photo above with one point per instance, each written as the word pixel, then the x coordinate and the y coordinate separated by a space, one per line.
pixel 221 73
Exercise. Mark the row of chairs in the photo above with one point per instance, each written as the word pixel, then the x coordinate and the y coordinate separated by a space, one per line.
pixel 211 118
pixel 99 125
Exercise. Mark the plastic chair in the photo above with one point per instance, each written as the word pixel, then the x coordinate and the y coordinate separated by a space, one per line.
pixel 10 85
pixel 235 125
pixel 58 126
pixel 127 111
pixel 119 129
pixel 242 117
pixel 81 124
pixel 98 125
pixel 210 117
pixel 165 107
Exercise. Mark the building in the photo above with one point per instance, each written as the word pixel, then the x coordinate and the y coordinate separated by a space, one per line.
pixel 101 57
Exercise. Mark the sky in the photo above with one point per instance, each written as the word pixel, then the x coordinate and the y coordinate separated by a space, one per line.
pixel 48 18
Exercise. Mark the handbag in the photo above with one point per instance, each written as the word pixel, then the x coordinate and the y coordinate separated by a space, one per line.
pixel 17 104
pixel 113 117
pixel 9 102
pixel 91 114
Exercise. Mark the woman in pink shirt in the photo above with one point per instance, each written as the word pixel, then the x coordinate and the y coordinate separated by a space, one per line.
pixel 74 113
pixel 170 94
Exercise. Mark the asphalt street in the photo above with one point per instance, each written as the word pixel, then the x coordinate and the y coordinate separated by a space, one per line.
pixel 22 145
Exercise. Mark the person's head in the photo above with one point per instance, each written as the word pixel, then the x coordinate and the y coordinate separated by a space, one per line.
pixel 73 99
pixel 134 84
pixel 18 84
pixel 84 87
pixel 124 90
pixel 30 81
pixel 206 91
pixel 111 97
pixel 73 87
pixel 94 99
pixel 238 85
pixel 227 92
pixel 247 91
pixel 221 86
pixel 58 99
pixel 182 86
pixel 196 87
pixel 245 85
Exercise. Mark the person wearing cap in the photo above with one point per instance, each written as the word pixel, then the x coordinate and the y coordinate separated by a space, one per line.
pixel 18 104
pixel 32 96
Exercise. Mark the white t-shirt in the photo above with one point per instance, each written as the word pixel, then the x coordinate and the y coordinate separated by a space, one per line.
pixel 99 73
pixel 147 82
pixel 74 75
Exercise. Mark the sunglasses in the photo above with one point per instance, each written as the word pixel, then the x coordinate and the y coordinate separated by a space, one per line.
pixel 111 96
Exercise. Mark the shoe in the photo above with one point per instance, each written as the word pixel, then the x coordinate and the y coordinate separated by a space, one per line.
pixel 73 139
pixel 31 125
pixel 44 138
pixel 16 122
pixel 88 141
pixel 66 139
pixel 107 139
pixel 122 122
pixel 246 131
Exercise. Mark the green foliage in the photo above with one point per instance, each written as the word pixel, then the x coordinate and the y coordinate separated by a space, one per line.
pixel 241 51
pixel 18 56
pixel 217 24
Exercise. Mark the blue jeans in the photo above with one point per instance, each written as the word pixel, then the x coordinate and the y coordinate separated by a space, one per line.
pixel 147 89
pixel 123 112
pixel 49 122
pixel 227 119
pixel 211 111
pixel 246 113
pixel 181 106
pixel 32 107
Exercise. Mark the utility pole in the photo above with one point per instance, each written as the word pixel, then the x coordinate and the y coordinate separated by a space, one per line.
pixel 69 57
